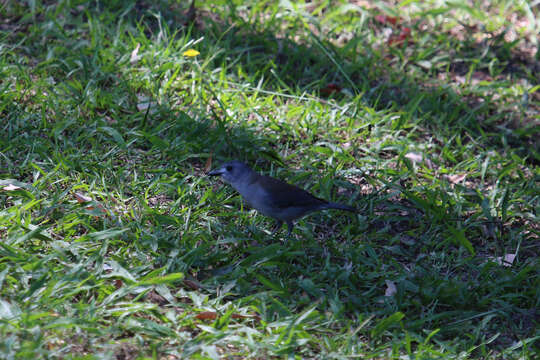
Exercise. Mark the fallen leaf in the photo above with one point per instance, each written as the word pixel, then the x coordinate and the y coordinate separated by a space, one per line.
pixel 206 315
pixel 212 315
pixel 155 298
pixel 82 198
pixel 506 260
pixel 390 288
pixel 195 285
pixel 454 179
pixel 143 106
pixel 414 157
pixel 208 164
pixel 118 283
pixel 330 89
pixel 398 39
pixel 240 316
pixel 11 187
pixel 417 158
pixel 135 54
pixel 383 19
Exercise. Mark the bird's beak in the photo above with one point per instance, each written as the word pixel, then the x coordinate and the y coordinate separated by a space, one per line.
pixel 216 172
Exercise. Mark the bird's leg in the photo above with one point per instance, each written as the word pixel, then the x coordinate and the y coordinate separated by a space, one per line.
pixel 290 227
pixel 277 227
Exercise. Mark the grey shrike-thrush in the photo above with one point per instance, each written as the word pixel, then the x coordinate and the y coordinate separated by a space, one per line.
pixel 272 197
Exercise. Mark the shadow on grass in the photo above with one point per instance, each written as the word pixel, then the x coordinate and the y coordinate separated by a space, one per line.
pixel 266 51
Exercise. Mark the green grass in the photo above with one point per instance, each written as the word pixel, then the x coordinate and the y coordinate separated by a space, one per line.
pixel 113 243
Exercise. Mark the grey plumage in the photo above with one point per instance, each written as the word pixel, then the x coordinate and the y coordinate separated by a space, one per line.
pixel 272 197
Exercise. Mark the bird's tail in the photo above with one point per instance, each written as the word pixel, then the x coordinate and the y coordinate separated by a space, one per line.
pixel 333 205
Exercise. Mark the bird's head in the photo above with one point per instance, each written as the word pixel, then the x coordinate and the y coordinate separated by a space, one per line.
pixel 232 171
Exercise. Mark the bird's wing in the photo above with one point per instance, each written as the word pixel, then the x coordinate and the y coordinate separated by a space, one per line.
pixel 285 195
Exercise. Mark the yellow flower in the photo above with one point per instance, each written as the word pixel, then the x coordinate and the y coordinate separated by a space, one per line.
pixel 191 53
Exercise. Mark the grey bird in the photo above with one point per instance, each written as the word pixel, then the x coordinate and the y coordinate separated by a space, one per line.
pixel 272 197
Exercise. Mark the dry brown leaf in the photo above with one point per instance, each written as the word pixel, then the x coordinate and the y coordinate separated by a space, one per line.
pixel 81 198
pixel 208 164
pixel 156 298
pixel 118 284
pixel 456 178
pixel 193 284
pixel 206 315
pixel 212 315
pixel 240 316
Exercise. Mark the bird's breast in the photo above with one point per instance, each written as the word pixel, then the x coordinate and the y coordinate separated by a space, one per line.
pixel 256 197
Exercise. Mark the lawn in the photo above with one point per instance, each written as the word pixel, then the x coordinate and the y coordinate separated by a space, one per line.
pixel 425 116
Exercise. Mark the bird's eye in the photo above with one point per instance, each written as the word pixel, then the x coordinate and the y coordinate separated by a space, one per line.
pixel 228 168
